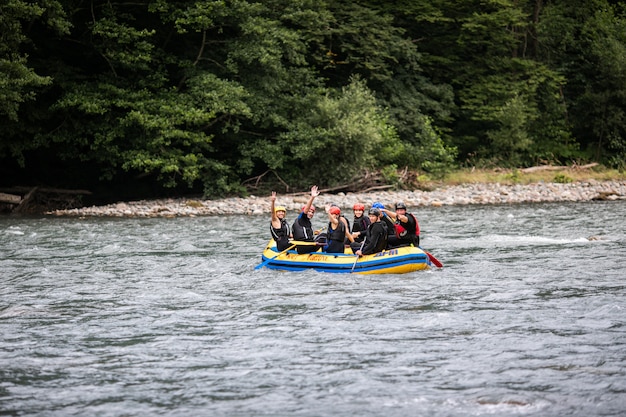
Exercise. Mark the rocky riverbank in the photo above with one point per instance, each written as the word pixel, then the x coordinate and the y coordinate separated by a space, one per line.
pixel 491 193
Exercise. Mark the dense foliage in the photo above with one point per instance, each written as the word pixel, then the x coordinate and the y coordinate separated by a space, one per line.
pixel 206 94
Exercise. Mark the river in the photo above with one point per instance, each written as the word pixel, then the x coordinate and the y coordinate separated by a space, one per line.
pixel 168 317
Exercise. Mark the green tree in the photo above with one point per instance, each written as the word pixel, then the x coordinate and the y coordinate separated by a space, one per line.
pixel 207 93
pixel 338 136
pixel 129 97
pixel 366 38
pixel 20 83
pixel 482 49
pixel 586 41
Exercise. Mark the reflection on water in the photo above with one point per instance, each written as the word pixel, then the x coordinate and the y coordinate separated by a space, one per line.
pixel 168 316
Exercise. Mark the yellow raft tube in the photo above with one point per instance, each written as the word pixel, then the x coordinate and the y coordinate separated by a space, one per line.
pixel 393 261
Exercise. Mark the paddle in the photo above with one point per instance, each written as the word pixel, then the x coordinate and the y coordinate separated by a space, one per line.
pixel 357 256
pixel 265 262
pixel 304 243
pixel 434 260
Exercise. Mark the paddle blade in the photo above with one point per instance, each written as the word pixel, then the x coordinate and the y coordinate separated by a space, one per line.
pixel 268 260
pixel 434 260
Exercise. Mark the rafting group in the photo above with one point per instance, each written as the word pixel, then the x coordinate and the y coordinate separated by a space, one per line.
pixel 380 230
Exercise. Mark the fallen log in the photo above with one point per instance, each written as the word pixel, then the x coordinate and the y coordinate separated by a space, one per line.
pixel 593 164
pixel 10 198
pixel 25 189
pixel 556 167
pixel 21 199
pixel 543 168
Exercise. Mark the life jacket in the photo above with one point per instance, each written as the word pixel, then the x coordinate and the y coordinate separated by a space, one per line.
pixel 302 228
pixel 281 233
pixel 403 233
pixel 339 233
pixel 360 224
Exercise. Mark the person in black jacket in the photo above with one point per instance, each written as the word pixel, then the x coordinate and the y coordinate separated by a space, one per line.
pixel 302 229
pixel 391 229
pixel 360 223
pixel 375 236
pixel 338 231
pixel 278 226
pixel 406 227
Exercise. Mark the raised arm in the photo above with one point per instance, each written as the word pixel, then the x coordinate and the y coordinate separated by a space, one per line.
pixel 391 214
pixel 332 219
pixel 275 219
pixel 402 217
pixel 314 193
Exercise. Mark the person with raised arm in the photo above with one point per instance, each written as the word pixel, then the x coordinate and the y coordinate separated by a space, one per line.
pixel 302 228
pixel 278 225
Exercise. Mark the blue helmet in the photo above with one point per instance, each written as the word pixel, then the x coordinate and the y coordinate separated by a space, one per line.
pixel 378 205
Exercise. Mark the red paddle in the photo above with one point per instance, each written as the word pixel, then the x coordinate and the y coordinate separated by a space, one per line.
pixel 434 260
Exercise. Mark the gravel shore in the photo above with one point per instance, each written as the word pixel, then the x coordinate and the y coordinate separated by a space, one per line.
pixel 465 194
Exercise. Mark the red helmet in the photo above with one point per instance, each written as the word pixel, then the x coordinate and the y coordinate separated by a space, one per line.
pixel 358 206
pixel 334 210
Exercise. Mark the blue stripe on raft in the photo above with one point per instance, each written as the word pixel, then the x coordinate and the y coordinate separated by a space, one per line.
pixel 361 266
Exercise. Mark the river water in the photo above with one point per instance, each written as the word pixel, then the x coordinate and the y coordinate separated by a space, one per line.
pixel 139 317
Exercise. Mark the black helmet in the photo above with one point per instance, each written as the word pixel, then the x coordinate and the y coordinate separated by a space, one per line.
pixel 374 212
pixel 400 205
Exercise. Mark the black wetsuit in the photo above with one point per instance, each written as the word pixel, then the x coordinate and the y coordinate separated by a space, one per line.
pixel 303 231
pixel 375 239
pixel 281 236
pixel 405 233
pixel 336 238
pixel 360 224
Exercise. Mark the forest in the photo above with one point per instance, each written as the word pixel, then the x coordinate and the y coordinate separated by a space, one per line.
pixel 220 97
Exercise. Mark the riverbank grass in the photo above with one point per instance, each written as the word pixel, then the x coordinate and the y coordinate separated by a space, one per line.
pixel 520 176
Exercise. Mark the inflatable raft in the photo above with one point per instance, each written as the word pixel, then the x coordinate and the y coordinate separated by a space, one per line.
pixel 394 261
